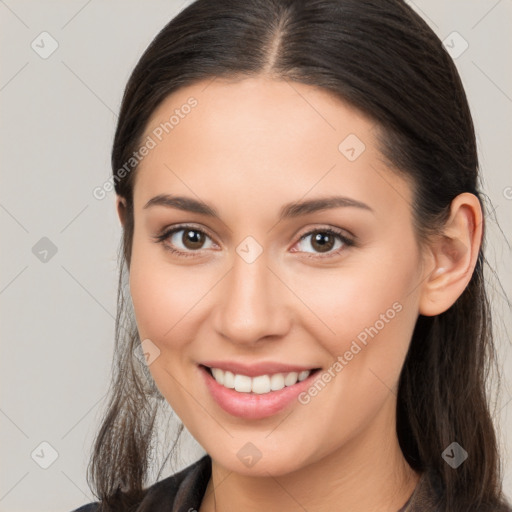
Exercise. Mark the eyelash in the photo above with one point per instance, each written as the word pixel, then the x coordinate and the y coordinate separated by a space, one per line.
pixel 347 242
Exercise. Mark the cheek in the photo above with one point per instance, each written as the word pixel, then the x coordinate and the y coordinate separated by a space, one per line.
pixel 359 301
pixel 365 315
pixel 160 292
pixel 163 299
pixel 170 303
pixel 372 329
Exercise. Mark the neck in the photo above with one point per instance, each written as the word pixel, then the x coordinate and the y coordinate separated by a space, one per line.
pixel 369 473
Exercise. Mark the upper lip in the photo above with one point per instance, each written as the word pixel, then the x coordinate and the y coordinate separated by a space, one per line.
pixel 255 369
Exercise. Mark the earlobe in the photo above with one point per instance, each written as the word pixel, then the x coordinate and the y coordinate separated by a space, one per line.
pixel 121 209
pixel 454 253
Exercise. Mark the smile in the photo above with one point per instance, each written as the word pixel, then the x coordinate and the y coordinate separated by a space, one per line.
pixel 257 396
pixel 260 384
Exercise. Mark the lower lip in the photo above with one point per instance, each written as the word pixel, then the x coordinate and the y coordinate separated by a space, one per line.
pixel 254 406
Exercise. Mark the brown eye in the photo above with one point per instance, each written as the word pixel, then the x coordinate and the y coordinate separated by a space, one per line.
pixel 192 239
pixel 322 242
pixel 185 240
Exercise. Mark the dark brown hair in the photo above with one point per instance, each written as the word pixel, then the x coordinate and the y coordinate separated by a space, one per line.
pixel 383 59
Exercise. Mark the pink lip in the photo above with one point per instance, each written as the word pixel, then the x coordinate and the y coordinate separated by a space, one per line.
pixel 253 406
pixel 255 369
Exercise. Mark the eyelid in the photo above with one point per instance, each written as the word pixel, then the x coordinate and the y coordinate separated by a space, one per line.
pixel 168 230
pixel 344 233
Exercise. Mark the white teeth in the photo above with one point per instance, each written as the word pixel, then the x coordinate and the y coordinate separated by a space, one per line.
pixel 261 384
pixel 277 382
pixel 242 383
pixel 291 379
pixel 218 375
pixel 304 375
pixel 229 380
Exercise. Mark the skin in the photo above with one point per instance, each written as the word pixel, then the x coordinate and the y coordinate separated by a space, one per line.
pixel 247 148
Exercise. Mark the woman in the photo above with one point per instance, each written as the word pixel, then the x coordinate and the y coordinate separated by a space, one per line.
pixel 297 183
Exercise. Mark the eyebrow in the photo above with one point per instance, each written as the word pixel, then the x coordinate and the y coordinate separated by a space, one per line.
pixel 290 210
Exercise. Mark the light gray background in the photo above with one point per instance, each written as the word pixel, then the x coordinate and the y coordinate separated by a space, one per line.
pixel 57 122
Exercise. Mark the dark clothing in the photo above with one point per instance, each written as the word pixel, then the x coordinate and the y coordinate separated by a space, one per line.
pixel 184 491
pixel 177 493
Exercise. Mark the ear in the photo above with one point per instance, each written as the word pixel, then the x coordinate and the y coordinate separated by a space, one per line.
pixel 121 209
pixel 453 255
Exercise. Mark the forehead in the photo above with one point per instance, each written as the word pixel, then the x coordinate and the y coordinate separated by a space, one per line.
pixel 257 107
pixel 274 139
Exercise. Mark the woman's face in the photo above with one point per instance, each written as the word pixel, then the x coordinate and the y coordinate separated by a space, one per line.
pixel 265 286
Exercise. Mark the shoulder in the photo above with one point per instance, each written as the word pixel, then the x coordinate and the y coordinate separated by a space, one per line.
pixel 185 487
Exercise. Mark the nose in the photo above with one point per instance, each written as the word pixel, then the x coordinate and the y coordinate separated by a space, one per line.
pixel 251 304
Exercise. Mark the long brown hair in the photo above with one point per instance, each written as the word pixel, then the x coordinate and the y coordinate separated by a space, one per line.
pixel 383 59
